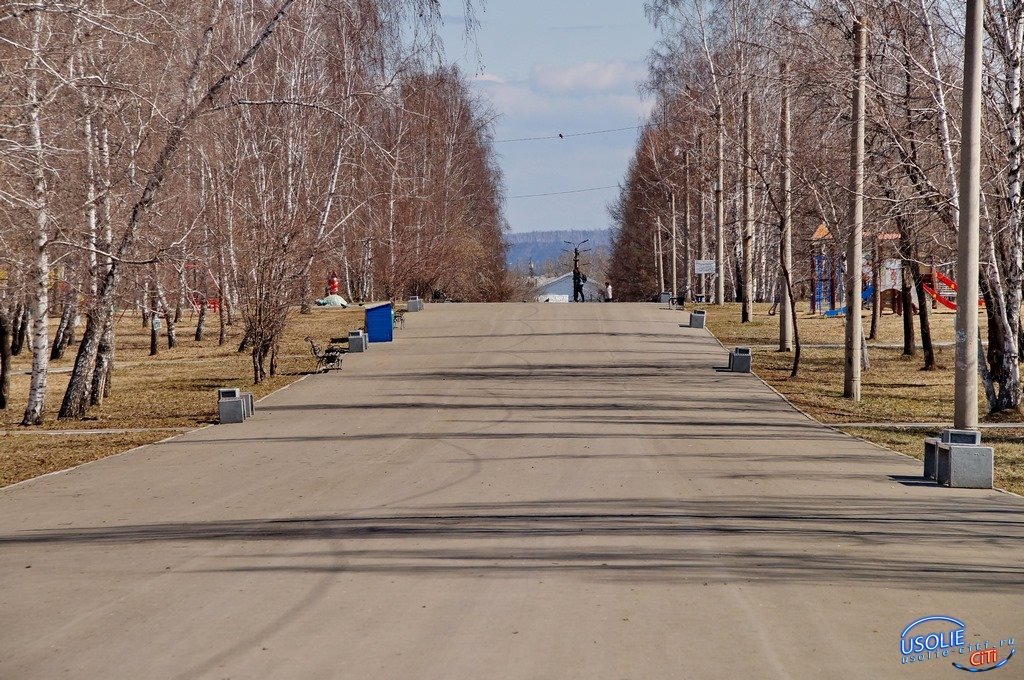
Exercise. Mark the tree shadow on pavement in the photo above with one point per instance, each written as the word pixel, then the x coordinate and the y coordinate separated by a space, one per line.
pixel 968 545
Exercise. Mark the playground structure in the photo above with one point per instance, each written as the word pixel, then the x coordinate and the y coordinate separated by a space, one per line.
pixel 202 280
pixel 829 287
pixel 944 291
pixel 841 311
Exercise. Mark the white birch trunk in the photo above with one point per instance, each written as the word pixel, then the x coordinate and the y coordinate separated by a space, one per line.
pixel 41 265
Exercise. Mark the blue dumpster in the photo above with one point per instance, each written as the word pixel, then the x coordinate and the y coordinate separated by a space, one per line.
pixel 380 326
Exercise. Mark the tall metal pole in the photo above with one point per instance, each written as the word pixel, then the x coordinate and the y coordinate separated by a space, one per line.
pixel 675 273
pixel 687 224
pixel 661 258
pixel 748 217
pixel 720 212
pixel 965 409
pixel 701 254
pixel 855 248
pixel 785 309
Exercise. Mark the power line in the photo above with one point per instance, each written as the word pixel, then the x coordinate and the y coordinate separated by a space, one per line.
pixel 567 136
pixel 563 193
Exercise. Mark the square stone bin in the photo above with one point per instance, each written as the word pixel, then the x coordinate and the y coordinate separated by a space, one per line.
pixel 965 466
pixel 740 360
pixel 415 304
pixel 249 402
pixel 665 297
pixel 357 341
pixel 698 317
pixel 231 410
pixel 228 393
pixel 948 436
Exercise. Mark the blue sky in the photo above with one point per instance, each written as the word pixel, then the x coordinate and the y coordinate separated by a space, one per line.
pixel 558 66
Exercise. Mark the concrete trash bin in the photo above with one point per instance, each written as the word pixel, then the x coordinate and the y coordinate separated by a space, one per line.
pixel 415 304
pixel 249 402
pixel 665 297
pixel 740 360
pixel 948 436
pixel 965 466
pixel 357 341
pixel 698 317
pixel 228 393
pixel 231 410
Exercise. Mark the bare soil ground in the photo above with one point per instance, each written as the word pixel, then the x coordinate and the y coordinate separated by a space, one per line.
pixel 894 390
pixel 174 389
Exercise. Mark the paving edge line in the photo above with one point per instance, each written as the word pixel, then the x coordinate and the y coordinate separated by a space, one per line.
pixel 136 448
pixel 837 427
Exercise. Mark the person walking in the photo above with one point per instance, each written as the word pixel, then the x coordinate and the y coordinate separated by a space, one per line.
pixel 607 291
pixel 578 279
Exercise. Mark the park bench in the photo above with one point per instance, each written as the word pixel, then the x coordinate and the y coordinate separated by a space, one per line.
pixel 328 358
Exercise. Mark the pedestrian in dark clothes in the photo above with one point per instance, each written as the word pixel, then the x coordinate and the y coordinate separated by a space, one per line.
pixel 578 279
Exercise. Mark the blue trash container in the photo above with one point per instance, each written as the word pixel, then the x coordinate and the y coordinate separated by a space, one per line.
pixel 379 324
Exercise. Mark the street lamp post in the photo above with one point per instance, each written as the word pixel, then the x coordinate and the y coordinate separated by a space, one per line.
pixel 965 413
pixel 957 458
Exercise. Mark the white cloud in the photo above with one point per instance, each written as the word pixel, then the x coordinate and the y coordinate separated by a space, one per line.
pixel 488 78
pixel 520 101
pixel 588 77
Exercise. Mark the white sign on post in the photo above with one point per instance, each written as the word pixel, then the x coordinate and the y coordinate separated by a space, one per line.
pixel 705 267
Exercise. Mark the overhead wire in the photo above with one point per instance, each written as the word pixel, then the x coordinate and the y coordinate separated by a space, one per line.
pixel 563 193
pixel 562 135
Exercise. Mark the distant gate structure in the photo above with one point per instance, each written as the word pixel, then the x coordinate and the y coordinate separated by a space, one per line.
pixel 559 289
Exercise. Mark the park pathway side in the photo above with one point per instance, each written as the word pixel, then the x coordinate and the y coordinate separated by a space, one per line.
pixel 507 491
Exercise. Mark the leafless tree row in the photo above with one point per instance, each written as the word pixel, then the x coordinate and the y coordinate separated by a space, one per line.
pixel 716 52
pixel 224 156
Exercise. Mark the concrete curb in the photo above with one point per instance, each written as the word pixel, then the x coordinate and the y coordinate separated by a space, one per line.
pixel 134 448
pixel 837 427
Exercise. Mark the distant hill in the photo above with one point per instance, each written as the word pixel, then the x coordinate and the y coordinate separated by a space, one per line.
pixel 541 246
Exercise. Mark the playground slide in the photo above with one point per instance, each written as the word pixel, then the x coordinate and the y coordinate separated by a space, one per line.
pixel 865 296
pixel 941 300
pixel 946 280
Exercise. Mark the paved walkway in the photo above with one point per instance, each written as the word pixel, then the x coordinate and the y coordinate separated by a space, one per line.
pixel 509 491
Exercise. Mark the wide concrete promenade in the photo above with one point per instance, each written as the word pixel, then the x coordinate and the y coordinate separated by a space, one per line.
pixel 508 491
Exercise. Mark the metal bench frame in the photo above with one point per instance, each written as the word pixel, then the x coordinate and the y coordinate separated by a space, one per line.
pixel 326 359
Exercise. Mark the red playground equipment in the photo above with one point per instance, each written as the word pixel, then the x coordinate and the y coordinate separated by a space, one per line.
pixel 948 283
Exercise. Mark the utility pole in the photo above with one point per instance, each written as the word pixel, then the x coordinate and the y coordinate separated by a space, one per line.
pixel 855 248
pixel 748 217
pixel 687 226
pixel 702 288
pixel 675 274
pixel 661 258
pixel 720 212
pixel 786 310
pixel 965 409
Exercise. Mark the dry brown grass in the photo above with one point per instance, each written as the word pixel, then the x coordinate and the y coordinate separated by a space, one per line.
pixel 23 456
pixel 174 389
pixel 895 390
pixel 1009 445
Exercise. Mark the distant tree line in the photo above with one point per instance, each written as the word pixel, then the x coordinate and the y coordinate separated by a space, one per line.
pixel 224 156
pixel 722 161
